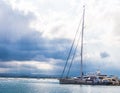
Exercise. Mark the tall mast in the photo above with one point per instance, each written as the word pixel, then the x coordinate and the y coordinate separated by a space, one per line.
pixel 81 68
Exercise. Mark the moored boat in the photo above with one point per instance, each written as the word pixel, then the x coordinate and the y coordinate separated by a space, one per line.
pixel 90 79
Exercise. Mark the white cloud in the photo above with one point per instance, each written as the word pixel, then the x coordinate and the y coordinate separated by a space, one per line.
pixel 49 15
pixel 47 66
pixel 26 66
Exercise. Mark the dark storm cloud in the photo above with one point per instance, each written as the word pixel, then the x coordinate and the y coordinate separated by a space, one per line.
pixel 104 55
pixel 19 42
pixel 31 50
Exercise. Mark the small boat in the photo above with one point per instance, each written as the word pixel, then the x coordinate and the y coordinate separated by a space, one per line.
pixel 90 79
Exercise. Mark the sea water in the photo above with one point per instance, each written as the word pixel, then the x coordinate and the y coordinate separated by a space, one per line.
pixel 24 85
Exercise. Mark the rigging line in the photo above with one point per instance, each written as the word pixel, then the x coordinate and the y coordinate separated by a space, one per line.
pixel 73 55
pixel 71 49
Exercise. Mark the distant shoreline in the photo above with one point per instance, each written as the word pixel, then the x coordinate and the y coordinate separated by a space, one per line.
pixel 30 77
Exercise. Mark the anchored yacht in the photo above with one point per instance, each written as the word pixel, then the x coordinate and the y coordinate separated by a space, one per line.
pixel 90 79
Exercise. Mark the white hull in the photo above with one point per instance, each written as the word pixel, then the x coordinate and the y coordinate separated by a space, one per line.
pixel 86 81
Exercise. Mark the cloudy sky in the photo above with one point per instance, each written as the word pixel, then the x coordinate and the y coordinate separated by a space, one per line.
pixel 36 35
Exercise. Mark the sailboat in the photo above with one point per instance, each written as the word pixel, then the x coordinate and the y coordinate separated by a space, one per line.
pixel 90 79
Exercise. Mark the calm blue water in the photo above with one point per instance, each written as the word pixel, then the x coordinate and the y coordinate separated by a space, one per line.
pixel 8 85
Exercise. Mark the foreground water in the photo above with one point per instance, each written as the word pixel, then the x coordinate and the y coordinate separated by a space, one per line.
pixel 11 85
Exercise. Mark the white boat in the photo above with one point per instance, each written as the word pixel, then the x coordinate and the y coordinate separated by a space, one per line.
pixel 91 79
pixel 96 79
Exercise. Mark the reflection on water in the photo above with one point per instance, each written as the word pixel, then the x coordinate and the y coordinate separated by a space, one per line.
pixel 50 86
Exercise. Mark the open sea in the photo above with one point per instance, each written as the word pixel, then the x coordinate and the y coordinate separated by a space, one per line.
pixel 24 85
